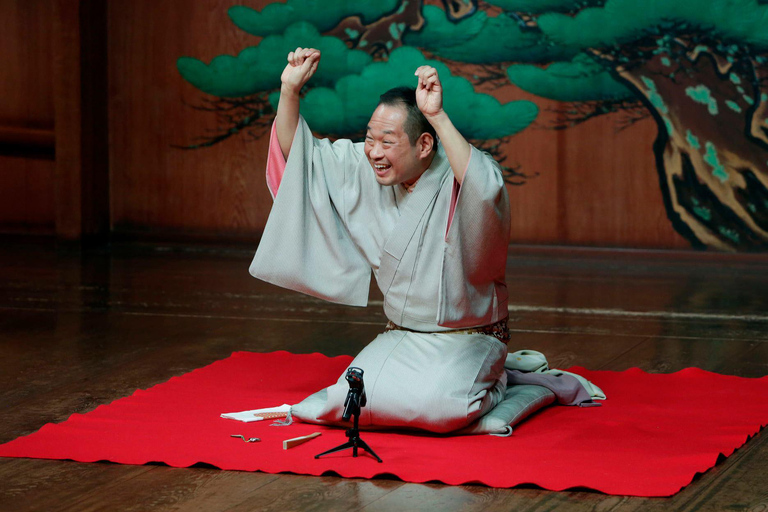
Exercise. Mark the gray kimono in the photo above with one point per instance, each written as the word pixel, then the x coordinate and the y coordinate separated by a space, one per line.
pixel 438 255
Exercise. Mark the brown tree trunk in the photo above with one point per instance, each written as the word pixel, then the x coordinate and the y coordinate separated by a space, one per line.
pixel 383 35
pixel 712 148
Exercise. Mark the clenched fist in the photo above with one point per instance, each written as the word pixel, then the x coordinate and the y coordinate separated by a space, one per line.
pixel 302 64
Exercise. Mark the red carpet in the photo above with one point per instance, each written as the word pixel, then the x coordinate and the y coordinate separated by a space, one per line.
pixel 650 438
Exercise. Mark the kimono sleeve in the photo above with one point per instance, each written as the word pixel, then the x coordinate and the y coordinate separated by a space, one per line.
pixel 473 291
pixel 306 246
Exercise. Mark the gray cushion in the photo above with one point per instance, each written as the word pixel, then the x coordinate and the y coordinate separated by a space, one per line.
pixel 519 402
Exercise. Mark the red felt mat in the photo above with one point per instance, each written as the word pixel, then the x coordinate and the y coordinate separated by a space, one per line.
pixel 650 438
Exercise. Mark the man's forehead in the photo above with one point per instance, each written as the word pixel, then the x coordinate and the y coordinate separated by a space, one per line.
pixel 387 120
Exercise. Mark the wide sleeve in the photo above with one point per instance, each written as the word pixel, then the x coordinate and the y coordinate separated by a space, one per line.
pixel 472 287
pixel 275 162
pixel 306 246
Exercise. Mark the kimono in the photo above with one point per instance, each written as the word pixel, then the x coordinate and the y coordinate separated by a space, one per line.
pixel 438 254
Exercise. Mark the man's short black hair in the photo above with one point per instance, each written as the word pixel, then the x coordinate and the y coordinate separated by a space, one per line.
pixel 415 122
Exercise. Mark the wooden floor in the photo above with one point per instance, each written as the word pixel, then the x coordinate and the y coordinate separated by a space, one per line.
pixel 83 328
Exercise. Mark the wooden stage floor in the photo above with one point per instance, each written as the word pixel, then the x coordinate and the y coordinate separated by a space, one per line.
pixel 83 328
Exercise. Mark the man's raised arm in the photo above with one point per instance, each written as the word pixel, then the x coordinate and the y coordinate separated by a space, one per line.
pixel 429 98
pixel 302 64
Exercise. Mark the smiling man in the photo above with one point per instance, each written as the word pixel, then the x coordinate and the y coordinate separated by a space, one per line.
pixel 425 212
pixel 399 142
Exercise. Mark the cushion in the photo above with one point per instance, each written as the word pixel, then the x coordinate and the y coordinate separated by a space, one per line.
pixel 519 402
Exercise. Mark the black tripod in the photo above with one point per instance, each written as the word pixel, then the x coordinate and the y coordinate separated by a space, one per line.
pixel 355 400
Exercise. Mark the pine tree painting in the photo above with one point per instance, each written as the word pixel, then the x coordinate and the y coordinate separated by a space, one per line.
pixel 697 67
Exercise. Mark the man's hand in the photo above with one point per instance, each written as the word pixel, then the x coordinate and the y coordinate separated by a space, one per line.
pixel 429 98
pixel 429 92
pixel 302 64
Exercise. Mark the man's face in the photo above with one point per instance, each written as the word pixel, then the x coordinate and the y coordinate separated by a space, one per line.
pixel 393 158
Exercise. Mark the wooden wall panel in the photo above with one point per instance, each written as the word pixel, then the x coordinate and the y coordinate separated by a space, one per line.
pixel 588 186
pixel 26 117
pixel 155 187
pixel 26 86
pixel 535 204
pixel 80 85
pixel 26 195
pixel 611 190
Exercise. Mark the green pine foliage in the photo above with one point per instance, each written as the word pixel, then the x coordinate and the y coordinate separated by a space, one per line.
pixel 481 39
pixel 545 47
pixel 324 15
pixel 542 6
pixel 580 79
pixel 738 22
pixel 347 107
pixel 258 68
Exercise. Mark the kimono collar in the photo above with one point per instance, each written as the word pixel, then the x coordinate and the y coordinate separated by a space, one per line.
pixel 430 180
pixel 411 213
pixel 409 188
pixel 433 176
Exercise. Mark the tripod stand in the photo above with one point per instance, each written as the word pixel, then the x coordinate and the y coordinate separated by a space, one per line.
pixel 355 400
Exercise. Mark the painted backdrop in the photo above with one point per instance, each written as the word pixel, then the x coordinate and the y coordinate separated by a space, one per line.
pixel 696 69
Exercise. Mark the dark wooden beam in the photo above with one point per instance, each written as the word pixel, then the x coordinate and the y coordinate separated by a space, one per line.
pixel 27 142
pixel 81 128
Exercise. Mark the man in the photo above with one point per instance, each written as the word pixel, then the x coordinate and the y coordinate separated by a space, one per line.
pixel 431 221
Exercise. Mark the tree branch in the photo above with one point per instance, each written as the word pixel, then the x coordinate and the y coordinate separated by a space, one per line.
pixel 512 174
pixel 233 115
pixel 576 113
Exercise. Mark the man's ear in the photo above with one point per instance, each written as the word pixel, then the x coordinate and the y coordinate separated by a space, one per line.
pixel 426 144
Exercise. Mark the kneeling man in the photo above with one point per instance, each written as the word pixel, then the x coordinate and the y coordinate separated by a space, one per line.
pixel 428 214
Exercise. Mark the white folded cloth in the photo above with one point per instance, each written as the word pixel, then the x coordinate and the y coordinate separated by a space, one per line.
pixel 259 414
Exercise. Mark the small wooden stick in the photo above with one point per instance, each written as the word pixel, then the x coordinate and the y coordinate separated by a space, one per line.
pixel 296 441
